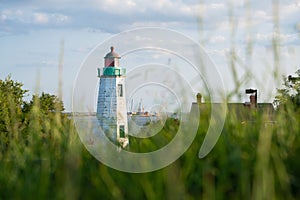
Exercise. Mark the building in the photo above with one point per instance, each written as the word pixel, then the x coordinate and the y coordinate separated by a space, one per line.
pixel 111 105
pixel 246 112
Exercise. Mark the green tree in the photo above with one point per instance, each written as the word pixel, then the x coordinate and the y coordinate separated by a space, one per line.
pixel 11 101
pixel 40 113
pixel 18 118
pixel 12 92
pixel 46 102
pixel 288 97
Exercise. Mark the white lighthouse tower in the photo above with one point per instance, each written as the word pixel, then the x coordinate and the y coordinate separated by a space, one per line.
pixel 111 107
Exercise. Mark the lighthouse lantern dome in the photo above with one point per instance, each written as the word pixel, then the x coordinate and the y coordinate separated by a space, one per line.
pixel 111 58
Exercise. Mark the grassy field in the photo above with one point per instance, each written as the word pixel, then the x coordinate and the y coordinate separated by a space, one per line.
pixel 46 160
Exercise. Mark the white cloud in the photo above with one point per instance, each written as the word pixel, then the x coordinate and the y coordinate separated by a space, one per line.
pixel 158 7
pixel 289 15
pixel 209 10
pixel 50 63
pixel 284 38
pixel 138 24
pixel 54 18
pixel 290 8
pixel 169 13
pixel 217 39
pixel 60 18
pixel 31 17
pixel 12 14
pixel 3 17
pixel 260 16
pixel 40 18
pixel 220 52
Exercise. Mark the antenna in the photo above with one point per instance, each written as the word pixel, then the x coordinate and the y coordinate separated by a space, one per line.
pixel 131 105
pixel 140 106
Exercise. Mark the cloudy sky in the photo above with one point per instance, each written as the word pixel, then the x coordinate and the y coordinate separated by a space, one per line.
pixel 256 32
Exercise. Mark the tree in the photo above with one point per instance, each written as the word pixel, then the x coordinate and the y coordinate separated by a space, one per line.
pixel 12 92
pixel 11 101
pixel 51 103
pixel 46 102
pixel 288 97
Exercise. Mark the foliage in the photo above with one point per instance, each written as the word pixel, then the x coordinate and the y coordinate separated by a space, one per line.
pixel 11 100
pixel 18 116
pixel 47 103
pixel 289 95
pixel 159 140
pixel 11 91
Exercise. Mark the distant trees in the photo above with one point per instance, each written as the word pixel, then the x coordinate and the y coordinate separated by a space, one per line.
pixel 16 115
pixel 46 103
pixel 11 92
pixel 11 101
pixel 288 97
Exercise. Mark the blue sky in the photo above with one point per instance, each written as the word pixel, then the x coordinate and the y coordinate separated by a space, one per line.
pixel 31 33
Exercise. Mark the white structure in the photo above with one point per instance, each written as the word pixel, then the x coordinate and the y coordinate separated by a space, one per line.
pixel 111 107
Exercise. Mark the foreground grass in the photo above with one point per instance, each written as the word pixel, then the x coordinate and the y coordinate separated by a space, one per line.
pixel 250 161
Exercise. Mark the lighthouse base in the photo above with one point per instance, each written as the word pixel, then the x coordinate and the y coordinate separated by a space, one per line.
pixel 124 142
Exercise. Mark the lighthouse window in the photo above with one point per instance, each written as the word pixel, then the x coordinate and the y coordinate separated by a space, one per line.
pixel 109 62
pixel 120 90
pixel 122 131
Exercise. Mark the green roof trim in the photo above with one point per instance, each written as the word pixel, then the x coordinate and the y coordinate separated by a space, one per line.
pixel 114 71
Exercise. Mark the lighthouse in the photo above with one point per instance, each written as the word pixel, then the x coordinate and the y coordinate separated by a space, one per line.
pixel 111 106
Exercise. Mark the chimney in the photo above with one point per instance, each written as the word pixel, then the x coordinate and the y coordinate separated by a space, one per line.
pixel 253 97
pixel 253 101
pixel 199 98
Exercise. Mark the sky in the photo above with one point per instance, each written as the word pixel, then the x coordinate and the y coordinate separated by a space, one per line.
pixel 34 33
